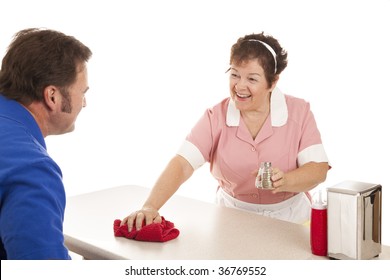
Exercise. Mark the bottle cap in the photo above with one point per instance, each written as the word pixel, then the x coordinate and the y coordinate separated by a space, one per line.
pixel 319 201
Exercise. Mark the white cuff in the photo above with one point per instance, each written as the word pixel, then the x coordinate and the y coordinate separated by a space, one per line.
pixel 314 153
pixel 192 154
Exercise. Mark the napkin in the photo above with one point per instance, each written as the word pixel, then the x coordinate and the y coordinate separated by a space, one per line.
pixel 155 232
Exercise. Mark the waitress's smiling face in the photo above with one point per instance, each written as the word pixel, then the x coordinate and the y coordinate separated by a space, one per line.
pixel 248 87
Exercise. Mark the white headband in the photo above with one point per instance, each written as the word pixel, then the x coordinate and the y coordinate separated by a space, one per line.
pixel 271 50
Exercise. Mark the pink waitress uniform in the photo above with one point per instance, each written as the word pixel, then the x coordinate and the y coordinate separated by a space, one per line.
pixel 288 139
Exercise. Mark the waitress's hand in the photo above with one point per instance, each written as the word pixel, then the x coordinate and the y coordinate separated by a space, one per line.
pixel 278 180
pixel 147 214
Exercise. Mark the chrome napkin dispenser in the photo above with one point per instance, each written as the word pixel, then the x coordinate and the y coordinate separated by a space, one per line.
pixel 354 220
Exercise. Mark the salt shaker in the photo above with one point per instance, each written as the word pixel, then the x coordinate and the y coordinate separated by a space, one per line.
pixel 263 178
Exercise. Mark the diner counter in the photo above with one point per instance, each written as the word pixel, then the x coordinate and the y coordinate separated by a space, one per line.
pixel 207 231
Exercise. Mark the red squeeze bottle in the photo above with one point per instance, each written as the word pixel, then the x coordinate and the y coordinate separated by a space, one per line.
pixel 318 227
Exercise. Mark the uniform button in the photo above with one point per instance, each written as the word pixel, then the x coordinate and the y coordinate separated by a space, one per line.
pixel 253 149
pixel 255 195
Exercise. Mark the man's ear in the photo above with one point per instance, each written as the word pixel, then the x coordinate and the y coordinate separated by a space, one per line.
pixel 51 97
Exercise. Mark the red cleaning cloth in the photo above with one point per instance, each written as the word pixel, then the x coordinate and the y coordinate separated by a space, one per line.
pixel 155 232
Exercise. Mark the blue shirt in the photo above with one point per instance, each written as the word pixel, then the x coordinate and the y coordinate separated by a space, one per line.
pixel 32 195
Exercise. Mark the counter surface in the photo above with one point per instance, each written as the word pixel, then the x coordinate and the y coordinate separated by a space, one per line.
pixel 207 231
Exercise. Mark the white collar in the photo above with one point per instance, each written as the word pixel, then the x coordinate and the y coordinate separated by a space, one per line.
pixel 279 111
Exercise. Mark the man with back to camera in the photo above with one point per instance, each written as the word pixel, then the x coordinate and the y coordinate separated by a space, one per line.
pixel 43 82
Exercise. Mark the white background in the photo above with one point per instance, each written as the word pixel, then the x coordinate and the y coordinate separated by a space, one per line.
pixel 157 65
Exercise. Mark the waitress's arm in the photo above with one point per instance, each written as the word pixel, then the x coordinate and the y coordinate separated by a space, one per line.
pixel 302 179
pixel 175 174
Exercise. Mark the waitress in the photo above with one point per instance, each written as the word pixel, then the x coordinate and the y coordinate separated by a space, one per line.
pixel 256 123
